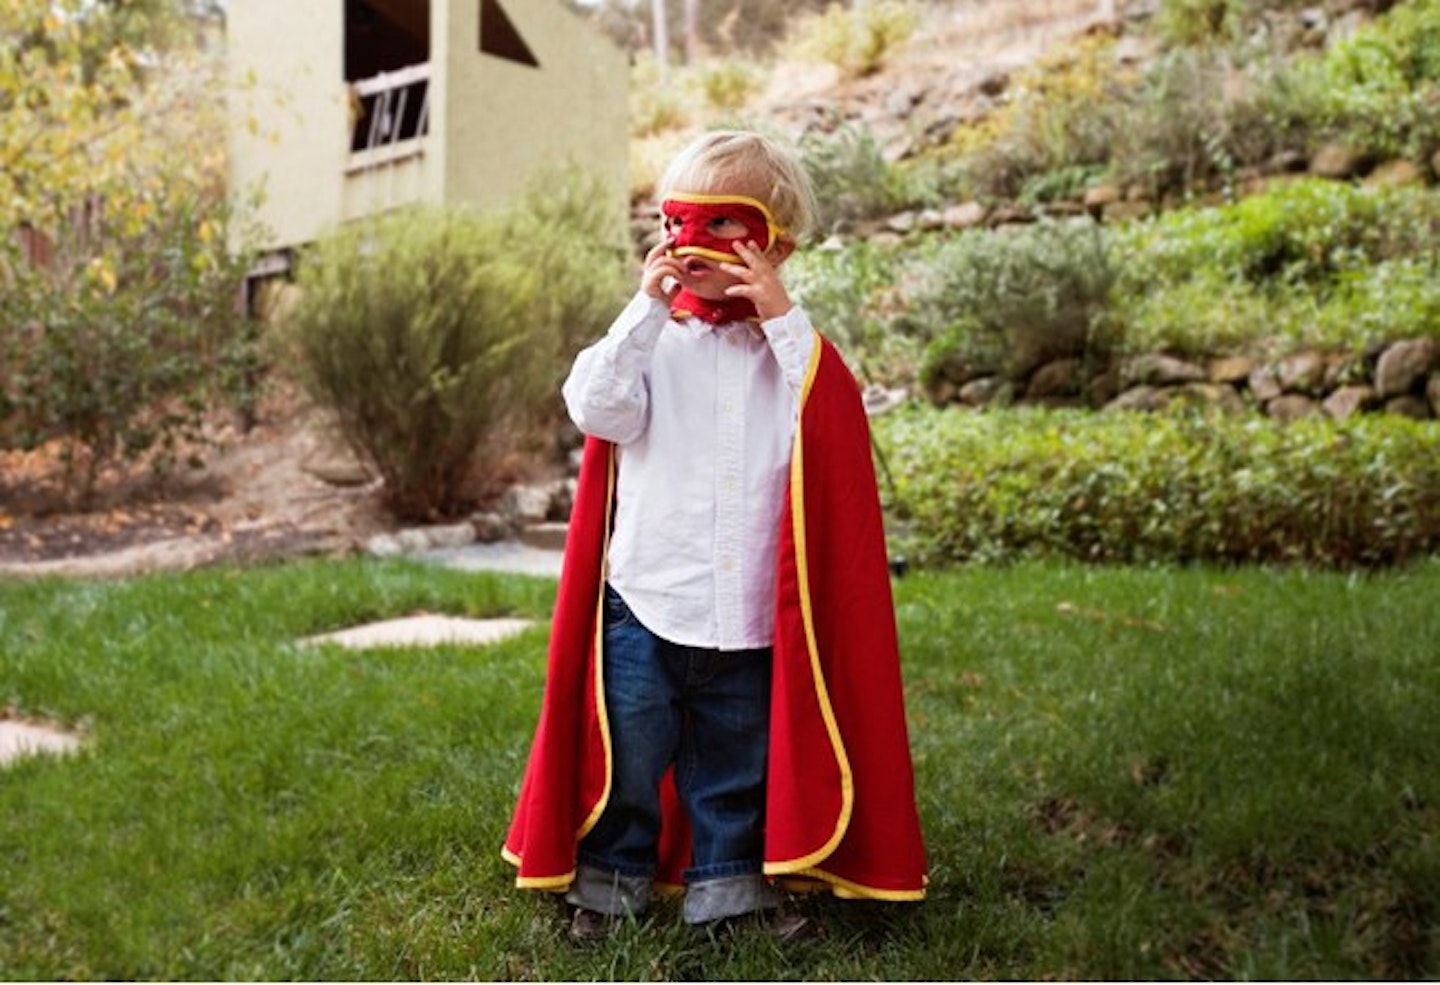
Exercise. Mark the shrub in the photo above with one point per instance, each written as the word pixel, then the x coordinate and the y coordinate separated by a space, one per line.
pixel 1008 302
pixel 1300 231
pixel 434 336
pixel 859 40
pixel 853 295
pixel 725 85
pixel 1146 488
pixel 852 179
pixel 1061 117
pixel 119 346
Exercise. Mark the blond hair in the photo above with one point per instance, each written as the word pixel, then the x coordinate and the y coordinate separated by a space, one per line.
pixel 740 162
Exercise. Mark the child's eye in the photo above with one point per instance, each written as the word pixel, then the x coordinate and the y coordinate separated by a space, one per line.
pixel 725 226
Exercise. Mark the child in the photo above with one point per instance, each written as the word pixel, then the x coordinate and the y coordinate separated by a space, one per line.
pixel 723 705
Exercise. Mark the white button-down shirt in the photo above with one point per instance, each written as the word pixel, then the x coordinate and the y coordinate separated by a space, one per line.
pixel 703 416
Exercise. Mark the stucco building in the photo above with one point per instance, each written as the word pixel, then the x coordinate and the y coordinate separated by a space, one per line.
pixel 342 109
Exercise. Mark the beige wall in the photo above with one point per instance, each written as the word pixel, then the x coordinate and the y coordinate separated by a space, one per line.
pixel 508 121
pixel 493 123
pixel 290 117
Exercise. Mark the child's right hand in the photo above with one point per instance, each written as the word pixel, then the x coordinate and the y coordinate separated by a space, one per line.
pixel 660 266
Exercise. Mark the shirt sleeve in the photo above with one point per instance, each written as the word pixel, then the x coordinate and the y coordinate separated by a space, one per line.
pixel 792 340
pixel 607 392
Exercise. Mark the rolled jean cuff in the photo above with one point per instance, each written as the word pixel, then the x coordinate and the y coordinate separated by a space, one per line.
pixel 609 892
pixel 728 896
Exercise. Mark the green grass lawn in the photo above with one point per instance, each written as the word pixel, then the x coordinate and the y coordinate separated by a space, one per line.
pixel 1123 773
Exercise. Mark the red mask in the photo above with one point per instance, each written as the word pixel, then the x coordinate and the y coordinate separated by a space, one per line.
pixel 692 236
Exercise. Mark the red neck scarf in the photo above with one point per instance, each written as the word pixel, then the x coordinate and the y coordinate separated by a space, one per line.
pixel 686 304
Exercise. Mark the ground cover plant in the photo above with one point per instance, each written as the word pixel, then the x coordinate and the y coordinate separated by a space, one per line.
pixel 1179 486
pixel 1123 773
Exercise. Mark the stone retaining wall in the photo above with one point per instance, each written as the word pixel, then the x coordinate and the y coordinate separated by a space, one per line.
pixel 1401 377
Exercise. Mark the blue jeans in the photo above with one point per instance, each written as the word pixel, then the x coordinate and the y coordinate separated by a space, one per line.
pixel 708 713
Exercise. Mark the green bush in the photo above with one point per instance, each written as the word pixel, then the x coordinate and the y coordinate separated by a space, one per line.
pixel 1142 488
pixel 1056 130
pixel 435 337
pixel 119 346
pixel 1304 231
pixel 1309 263
pixel 854 294
pixel 853 182
pixel 860 40
pixel 1007 303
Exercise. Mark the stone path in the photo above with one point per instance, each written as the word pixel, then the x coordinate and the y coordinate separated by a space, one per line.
pixel 18 738
pixel 424 630
pixel 513 556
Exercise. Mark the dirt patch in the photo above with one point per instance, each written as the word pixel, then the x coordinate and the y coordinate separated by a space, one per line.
pixel 283 488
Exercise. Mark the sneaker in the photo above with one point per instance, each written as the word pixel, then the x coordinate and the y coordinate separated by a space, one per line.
pixel 591 925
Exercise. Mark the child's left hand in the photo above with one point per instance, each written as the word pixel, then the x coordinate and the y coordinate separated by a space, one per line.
pixel 759 281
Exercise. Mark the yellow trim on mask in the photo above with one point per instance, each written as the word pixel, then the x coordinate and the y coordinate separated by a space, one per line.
pixel 776 230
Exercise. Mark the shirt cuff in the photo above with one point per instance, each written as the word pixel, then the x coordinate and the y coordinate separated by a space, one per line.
pixel 792 339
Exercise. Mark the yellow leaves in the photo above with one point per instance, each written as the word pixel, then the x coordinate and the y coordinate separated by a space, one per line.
pixel 100 271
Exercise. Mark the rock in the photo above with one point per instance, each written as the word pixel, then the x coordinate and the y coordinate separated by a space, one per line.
pixel 527 504
pixel 413 540
pixel 1435 164
pixel 984 391
pixel 1403 365
pixel 881 400
pixel 1264 384
pixel 1395 174
pixel 1158 369
pixel 1432 392
pixel 1230 369
pixel 1337 161
pixel 942 391
pixel 994 84
pixel 450 535
pixel 1010 214
pixel 967 215
pixel 1102 195
pixel 1059 378
pixel 1348 401
pixel 1142 397
pixel 544 536
pixel 383 546
pixel 1220 396
pixel 1127 210
pixel 902 223
pixel 1291 406
pixel 1301 372
pixel 1409 405
pixel 490 527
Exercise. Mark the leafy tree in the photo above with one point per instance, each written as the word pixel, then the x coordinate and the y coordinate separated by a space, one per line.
pixel 117 320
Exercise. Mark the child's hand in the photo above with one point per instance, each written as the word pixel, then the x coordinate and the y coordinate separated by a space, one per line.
pixel 759 281
pixel 659 265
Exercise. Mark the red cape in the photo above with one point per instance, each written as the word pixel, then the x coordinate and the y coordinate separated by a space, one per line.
pixel 840 793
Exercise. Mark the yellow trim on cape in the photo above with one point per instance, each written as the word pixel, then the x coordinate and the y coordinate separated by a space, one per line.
pixel 601 710
pixel 797 512
pixel 559 884
pixel 846 889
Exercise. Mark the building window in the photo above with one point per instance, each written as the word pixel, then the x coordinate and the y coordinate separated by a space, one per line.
pixel 499 37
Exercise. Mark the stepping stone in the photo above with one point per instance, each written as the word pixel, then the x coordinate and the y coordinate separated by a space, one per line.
pixel 510 556
pixel 19 739
pixel 424 630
